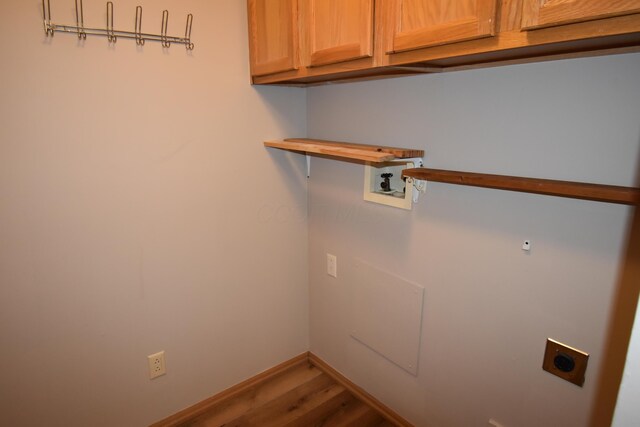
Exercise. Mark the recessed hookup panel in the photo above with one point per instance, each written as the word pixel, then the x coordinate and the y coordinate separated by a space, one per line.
pixel 384 184
pixel 565 362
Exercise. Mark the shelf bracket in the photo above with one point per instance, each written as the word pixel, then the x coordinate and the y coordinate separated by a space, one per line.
pixel 419 185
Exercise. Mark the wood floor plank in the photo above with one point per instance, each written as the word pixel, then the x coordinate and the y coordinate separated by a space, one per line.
pixel 386 412
pixel 276 412
pixel 317 407
pixel 353 414
pixel 301 392
pixel 257 397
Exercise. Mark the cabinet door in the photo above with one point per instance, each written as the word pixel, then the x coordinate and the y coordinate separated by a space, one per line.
pixel 547 13
pixel 339 30
pixel 422 23
pixel 273 36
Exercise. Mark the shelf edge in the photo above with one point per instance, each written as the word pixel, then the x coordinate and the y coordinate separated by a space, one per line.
pixel 345 150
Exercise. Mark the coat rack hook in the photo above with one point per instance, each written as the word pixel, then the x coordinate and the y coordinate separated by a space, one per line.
pixel 46 15
pixel 111 36
pixel 110 32
pixel 163 31
pixel 187 32
pixel 138 32
pixel 80 20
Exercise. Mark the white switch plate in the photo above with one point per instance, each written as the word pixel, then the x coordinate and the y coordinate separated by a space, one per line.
pixel 156 365
pixel 332 265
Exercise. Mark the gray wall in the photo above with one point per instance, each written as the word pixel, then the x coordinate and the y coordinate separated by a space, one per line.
pixel 136 215
pixel 489 307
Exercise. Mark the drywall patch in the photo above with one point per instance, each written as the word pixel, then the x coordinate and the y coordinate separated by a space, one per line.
pixel 387 315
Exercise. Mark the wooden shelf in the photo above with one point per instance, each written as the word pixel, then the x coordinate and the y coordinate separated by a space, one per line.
pixel 347 150
pixel 576 190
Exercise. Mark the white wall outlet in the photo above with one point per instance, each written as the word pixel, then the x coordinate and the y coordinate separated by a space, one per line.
pixel 332 265
pixel 526 245
pixel 156 365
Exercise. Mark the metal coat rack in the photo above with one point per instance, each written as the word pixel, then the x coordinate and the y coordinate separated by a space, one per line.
pixel 112 34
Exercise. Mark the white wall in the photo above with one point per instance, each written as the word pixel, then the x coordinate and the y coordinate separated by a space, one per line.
pixel 489 307
pixel 138 213
pixel 122 233
pixel 627 411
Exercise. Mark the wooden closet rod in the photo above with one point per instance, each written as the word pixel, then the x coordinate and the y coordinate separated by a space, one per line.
pixel 575 190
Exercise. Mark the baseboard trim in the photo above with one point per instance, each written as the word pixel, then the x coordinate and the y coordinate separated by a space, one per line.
pixel 201 407
pixel 388 413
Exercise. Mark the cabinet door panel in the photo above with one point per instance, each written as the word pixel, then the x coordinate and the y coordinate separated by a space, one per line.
pixel 339 30
pixel 273 33
pixel 546 13
pixel 423 23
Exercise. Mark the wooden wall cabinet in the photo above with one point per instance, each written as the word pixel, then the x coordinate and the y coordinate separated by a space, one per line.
pixel 300 42
pixel 273 36
pixel 548 13
pixel 338 30
pixel 414 24
pixel 294 40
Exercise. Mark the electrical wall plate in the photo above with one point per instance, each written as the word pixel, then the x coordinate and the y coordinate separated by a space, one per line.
pixel 157 366
pixel 565 362
pixel 392 191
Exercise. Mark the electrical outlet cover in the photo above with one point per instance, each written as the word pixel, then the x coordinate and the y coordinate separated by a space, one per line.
pixel 565 362
pixel 156 365
pixel 332 265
